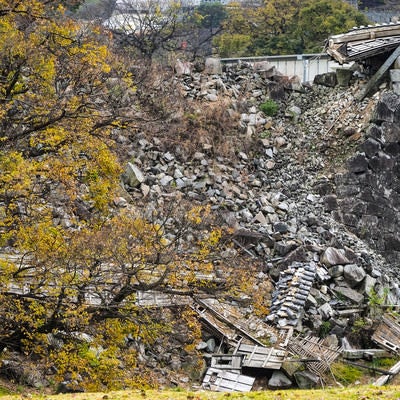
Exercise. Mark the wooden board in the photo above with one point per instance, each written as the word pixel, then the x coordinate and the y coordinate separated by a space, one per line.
pixel 387 334
pixel 227 381
pixel 261 357
pixel 153 298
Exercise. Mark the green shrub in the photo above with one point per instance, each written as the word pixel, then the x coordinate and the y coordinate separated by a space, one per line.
pixel 269 107
pixel 346 374
pixel 324 329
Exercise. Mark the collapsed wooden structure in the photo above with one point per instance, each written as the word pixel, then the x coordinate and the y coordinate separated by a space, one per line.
pixel 313 350
pixel 387 333
pixel 364 42
pixel 246 343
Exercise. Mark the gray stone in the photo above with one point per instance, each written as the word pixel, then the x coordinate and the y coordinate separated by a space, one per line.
pixel 166 180
pixel 326 311
pixel 211 344
pixel 368 284
pixel 279 380
pixel 343 76
pixel 329 79
pixel 183 67
pixel 333 256
pixel 349 294
pixel 213 66
pixel 358 164
pixel 371 147
pixel 132 176
pixel 336 271
pixel 306 379
pixel 353 274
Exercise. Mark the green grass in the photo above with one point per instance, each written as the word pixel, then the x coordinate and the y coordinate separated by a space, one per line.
pixel 352 393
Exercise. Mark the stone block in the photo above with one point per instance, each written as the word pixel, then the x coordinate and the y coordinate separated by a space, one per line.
pixel 350 294
pixel 279 380
pixel 353 274
pixel 306 379
pixel 329 79
pixel 343 76
pixel 358 164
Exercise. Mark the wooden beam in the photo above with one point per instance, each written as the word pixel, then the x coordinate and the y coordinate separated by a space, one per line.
pixel 365 34
pixel 385 378
pixel 374 80
pixel 381 371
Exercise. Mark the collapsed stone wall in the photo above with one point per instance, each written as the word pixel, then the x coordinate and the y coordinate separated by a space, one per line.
pixel 368 194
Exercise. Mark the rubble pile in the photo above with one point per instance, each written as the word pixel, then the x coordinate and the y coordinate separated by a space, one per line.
pixel 287 198
pixel 283 193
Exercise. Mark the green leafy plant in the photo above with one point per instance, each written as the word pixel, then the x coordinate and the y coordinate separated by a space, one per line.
pixel 324 329
pixel 269 107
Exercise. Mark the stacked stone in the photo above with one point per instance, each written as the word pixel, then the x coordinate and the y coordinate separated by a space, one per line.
pixel 291 293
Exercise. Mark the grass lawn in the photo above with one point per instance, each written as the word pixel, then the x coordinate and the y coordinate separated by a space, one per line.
pixel 353 393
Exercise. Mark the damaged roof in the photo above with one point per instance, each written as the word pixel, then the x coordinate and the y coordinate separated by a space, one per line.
pixel 363 42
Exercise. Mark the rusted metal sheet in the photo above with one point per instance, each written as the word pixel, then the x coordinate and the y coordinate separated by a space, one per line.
pixel 313 348
pixel 260 357
pixel 227 381
pixel 387 334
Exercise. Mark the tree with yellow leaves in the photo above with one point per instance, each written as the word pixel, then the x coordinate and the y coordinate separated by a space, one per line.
pixel 62 92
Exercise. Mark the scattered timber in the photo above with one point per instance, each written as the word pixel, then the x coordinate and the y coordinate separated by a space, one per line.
pixel 378 75
pixel 260 356
pixel 385 378
pixel 220 380
pixel 313 348
pixel 374 369
pixel 362 43
pixel 387 333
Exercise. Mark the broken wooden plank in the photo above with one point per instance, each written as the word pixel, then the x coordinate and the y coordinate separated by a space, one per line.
pixel 313 348
pixel 366 33
pixel 234 321
pixel 356 354
pixel 385 378
pixel 227 381
pixel 153 298
pixel 227 361
pixel 381 371
pixel 260 356
pixel 387 333
pixel 378 75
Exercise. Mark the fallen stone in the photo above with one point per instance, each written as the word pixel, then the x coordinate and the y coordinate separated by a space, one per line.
pixel 333 256
pixel 306 379
pixel 279 380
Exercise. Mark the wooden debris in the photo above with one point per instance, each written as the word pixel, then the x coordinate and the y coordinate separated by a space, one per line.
pixel 312 348
pixel 260 356
pixel 153 298
pixel 233 327
pixel 387 334
pixel 385 378
pixel 227 381
pixel 378 75
pixel 229 362
pixel 362 43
